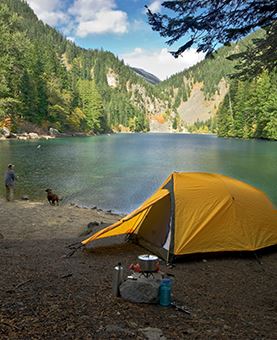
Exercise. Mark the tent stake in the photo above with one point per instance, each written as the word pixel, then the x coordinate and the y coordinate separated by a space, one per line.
pixel 73 251
pixel 257 259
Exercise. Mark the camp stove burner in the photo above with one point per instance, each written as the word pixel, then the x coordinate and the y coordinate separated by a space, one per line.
pixel 147 274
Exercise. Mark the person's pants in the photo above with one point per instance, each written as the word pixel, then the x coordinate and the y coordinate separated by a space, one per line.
pixel 9 193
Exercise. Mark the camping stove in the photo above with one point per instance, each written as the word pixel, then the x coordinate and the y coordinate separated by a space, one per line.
pixel 147 274
pixel 147 267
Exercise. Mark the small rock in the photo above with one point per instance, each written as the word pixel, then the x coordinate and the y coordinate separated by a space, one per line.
pixel 133 324
pixel 93 224
pixel 117 329
pixel 25 198
pixel 1 236
pixel 89 228
pixel 70 327
pixel 225 327
pixel 152 333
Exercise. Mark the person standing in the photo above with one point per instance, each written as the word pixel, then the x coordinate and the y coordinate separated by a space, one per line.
pixel 10 182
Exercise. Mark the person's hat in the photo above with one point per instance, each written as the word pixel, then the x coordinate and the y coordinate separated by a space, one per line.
pixel 10 165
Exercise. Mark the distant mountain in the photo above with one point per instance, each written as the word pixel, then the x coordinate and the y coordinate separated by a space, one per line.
pixel 147 76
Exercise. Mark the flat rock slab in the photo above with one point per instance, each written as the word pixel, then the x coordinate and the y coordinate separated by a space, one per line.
pixel 141 290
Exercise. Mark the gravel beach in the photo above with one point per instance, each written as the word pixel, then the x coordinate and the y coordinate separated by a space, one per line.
pixel 45 295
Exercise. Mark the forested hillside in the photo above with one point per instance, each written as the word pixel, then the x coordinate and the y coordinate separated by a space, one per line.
pixel 50 82
pixel 245 109
pixel 47 81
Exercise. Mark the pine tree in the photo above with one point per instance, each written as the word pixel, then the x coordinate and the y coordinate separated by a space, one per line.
pixel 92 106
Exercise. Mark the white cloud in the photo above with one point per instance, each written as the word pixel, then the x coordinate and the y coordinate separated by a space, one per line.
pixel 53 18
pixel 50 11
pixel 104 22
pixel 71 39
pixel 40 6
pixel 84 17
pixel 86 9
pixel 98 16
pixel 160 62
pixel 155 6
pixel 138 25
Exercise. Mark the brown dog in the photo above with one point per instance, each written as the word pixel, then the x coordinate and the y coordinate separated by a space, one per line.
pixel 52 198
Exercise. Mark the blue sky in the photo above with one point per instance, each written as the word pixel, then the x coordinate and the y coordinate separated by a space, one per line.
pixel 119 26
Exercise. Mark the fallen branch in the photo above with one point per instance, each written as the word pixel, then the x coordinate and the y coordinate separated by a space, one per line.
pixel 7 324
pixel 180 307
pixel 66 275
pixel 22 284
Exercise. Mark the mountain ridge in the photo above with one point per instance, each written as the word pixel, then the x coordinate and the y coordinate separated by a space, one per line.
pixel 60 85
pixel 151 78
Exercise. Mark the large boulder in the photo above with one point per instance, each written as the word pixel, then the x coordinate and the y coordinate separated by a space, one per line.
pixel 54 132
pixel 12 135
pixel 33 135
pixel 46 137
pixel 5 132
pixel 141 290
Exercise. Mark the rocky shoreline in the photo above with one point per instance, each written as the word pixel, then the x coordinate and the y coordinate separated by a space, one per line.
pixel 6 134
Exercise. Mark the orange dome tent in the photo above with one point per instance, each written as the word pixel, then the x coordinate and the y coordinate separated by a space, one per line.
pixel 197 213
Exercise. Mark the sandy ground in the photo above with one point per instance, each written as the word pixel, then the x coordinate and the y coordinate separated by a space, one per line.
pixel 39 220
pixel 45 295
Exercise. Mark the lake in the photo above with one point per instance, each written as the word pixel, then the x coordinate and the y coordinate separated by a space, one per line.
pixel 118 172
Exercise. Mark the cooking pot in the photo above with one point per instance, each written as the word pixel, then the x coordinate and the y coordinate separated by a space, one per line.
pixel 148 263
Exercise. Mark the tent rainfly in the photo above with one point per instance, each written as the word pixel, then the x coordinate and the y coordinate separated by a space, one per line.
pixel 198 213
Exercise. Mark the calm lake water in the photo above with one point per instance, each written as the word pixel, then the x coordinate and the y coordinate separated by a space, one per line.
pixel 120 171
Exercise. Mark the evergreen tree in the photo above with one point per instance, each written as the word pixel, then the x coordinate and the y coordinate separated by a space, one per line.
pixel 208 23
pixel 92 106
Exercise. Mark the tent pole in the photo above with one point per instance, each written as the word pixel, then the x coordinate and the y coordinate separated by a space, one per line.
pixel 170 241
pixel 172 218
pixel 167 257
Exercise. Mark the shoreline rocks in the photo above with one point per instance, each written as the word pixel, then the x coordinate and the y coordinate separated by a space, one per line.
pixel 6 134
